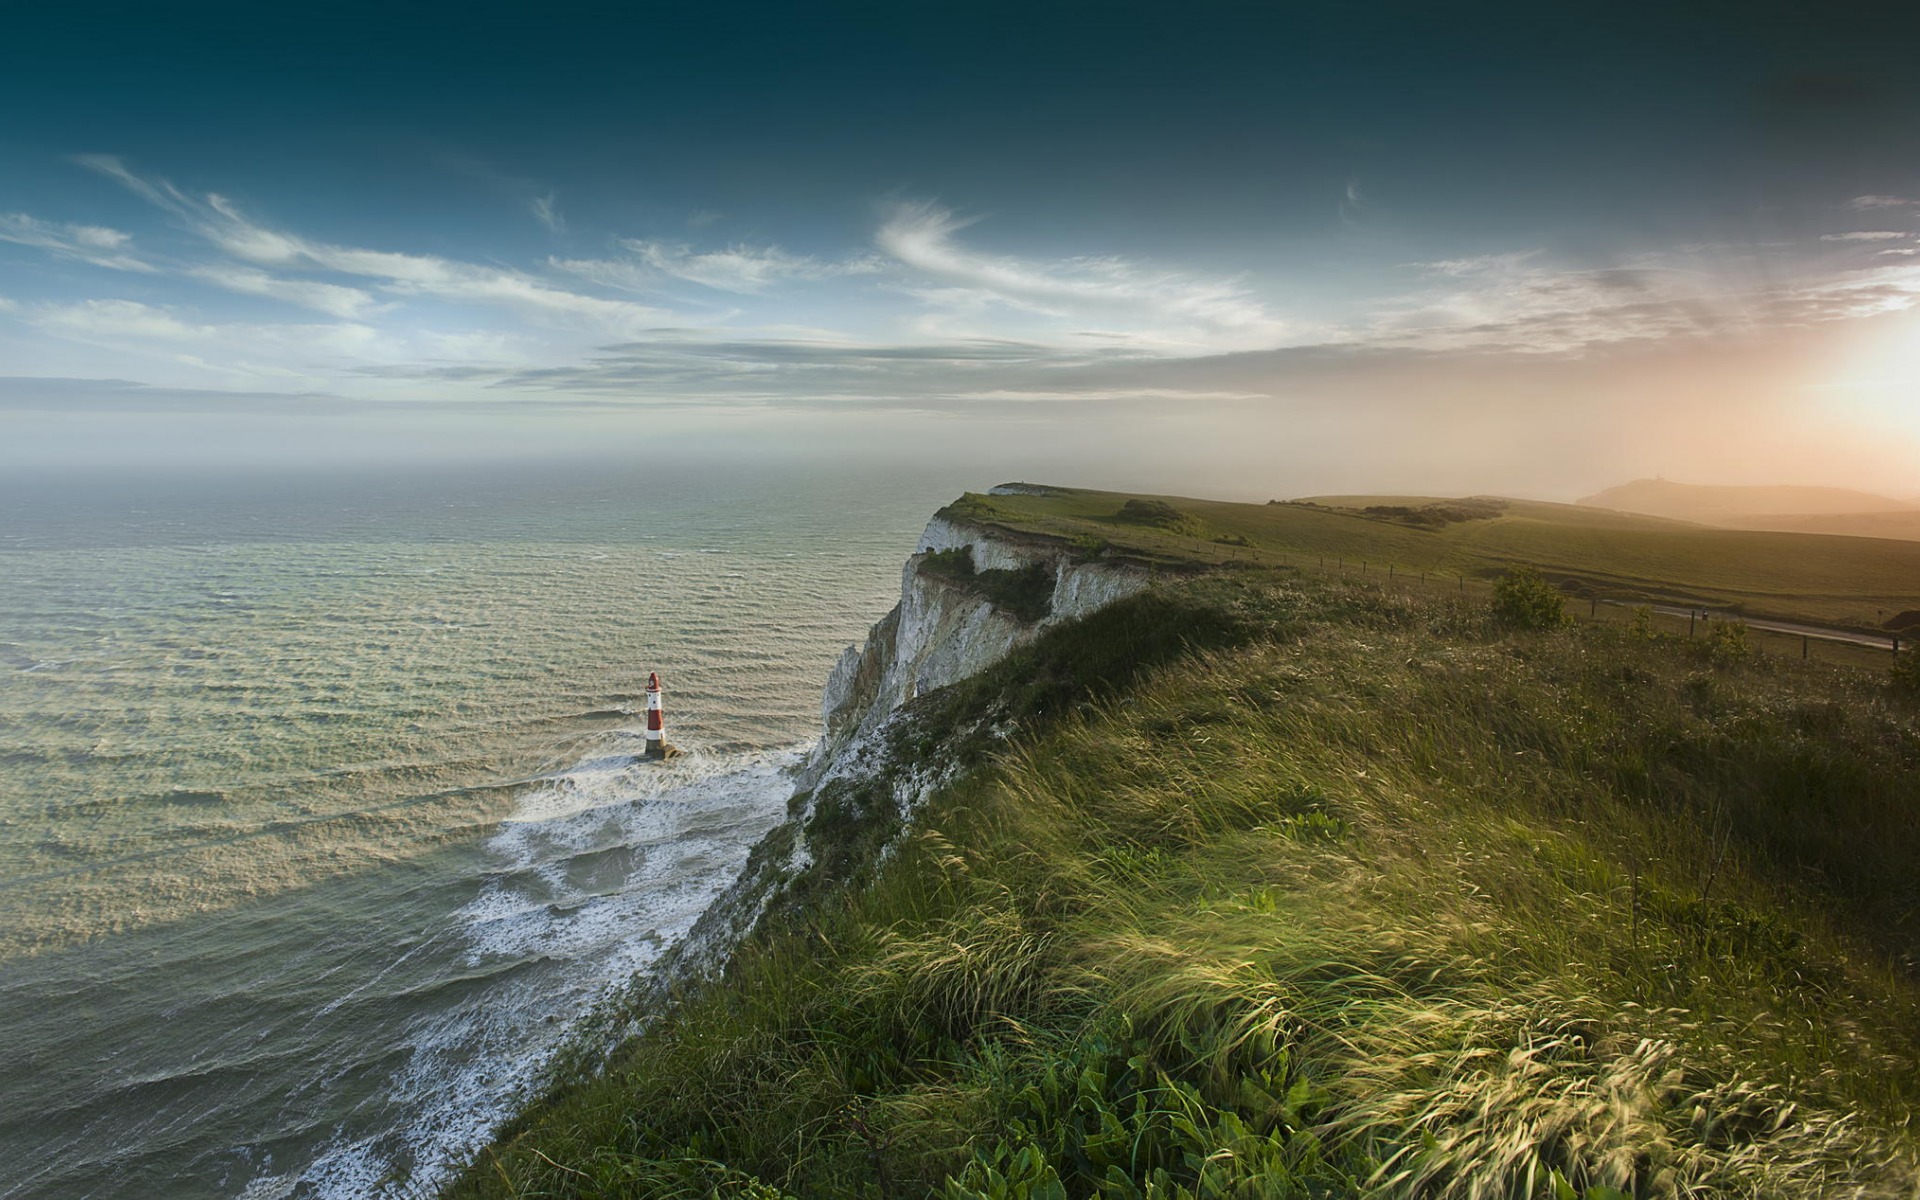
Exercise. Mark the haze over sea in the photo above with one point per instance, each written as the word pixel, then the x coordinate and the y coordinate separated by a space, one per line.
pixel 320 822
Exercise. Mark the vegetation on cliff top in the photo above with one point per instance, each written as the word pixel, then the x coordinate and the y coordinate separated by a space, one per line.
pixel 1294 886
pixel 1857 581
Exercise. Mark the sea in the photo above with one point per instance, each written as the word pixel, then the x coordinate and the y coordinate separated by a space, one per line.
pixel 322 821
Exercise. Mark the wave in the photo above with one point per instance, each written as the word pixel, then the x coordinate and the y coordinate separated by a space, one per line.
pixel 589 880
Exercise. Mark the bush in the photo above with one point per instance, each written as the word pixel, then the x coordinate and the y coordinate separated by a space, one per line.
pixel 1727 642
pixel 1905 676
pixel 954 563
pixel 1158 514
pixel 1090 545
pixel 1523 599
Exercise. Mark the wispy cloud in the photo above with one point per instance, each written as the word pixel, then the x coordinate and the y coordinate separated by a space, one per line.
pixel 1167 306
pixel 1865 235
pixel 1869 203
pixel 260 350
pixel 546 210
pixel 331 298
pixel 741 269
pixel 90 244
pixel 221 222
pixel 1353 205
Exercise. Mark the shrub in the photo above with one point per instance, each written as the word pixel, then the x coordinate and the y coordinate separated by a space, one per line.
pixel 956 563
pixel 1158 514
pixel 1523 599
pixel 1642 626
pixel 1905 676
pixel 1727 642
pixel 1090 545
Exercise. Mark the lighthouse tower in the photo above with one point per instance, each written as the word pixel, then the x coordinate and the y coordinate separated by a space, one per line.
pixel 656 740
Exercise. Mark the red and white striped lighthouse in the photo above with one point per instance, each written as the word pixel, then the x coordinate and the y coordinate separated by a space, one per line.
pixel 656 743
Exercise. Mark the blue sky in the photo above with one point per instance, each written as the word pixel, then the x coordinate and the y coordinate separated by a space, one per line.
pixel 1459 248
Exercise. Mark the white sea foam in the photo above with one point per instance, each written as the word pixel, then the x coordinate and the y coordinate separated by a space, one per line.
pixel 595 875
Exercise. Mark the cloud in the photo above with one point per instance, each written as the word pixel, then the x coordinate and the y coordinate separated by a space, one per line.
pixel 263 350
pixel 221 222
pixel 94 319
pixel 1865 235
pixel 1353 205
pixel 330 298
pixel 1868 203
pixel 1519 303
pixel 809 370
pixel 1164 306
pixel 546 212
pixel 90 244
pixel 741 269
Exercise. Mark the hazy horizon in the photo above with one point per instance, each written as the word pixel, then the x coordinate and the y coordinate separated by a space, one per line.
pixel 1241 251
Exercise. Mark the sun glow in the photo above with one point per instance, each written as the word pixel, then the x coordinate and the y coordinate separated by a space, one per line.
pixel 1879 375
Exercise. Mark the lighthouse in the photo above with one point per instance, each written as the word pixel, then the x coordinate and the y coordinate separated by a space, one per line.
pixel 656 741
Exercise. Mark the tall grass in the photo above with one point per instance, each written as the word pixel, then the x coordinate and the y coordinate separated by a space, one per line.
pixel 1361 896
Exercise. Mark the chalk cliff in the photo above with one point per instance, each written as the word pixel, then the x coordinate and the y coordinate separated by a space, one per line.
pixel 953 620
pixel 944 629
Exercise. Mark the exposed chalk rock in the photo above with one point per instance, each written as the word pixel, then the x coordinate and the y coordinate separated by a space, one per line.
pixel 943 631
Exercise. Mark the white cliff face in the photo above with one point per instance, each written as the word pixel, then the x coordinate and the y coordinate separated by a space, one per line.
pixel 942 631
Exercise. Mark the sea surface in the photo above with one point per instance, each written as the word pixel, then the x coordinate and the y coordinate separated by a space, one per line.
pixel 320 818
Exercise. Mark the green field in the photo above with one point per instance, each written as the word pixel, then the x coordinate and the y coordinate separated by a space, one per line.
pixel 1820 578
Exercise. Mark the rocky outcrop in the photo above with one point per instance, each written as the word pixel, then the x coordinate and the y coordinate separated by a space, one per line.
pixel 946 628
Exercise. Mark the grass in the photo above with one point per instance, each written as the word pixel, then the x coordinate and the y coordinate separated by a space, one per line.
pixel 1822 578
pixel 1288 886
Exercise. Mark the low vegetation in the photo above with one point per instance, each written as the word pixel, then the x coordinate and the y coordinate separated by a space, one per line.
pixel 1286 886
pixel 1158 514
pixel 1523 599
pixel 1024 592
pixel 1610 556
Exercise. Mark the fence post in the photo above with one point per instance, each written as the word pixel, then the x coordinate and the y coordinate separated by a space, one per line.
pixel 1803 647
pixel 1691 614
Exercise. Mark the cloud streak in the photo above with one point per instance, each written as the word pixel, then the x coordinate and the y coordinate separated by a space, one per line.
pixel 90 244
pixel 740 269
pixel 221 222
pixel 1165 307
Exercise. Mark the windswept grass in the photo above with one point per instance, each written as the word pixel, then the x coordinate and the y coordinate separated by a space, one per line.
pixel 1362 896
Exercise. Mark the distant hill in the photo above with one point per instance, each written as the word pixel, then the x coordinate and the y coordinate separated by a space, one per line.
pixel 1747 507
pixel 1903 524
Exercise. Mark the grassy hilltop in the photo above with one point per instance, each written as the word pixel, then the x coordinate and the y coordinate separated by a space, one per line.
pixel 1287 884
pixel 1809 576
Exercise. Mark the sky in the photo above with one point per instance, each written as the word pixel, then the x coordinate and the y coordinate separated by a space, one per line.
pixel 1246 249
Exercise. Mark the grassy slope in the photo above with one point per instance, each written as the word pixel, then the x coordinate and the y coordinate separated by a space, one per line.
pixel 1816 577
pixel 1362 896
pixel 1902 525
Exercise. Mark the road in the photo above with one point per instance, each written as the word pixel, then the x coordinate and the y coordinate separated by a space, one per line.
pixel 1855 637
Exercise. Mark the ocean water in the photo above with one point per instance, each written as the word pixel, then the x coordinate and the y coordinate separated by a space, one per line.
pixel 320 817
